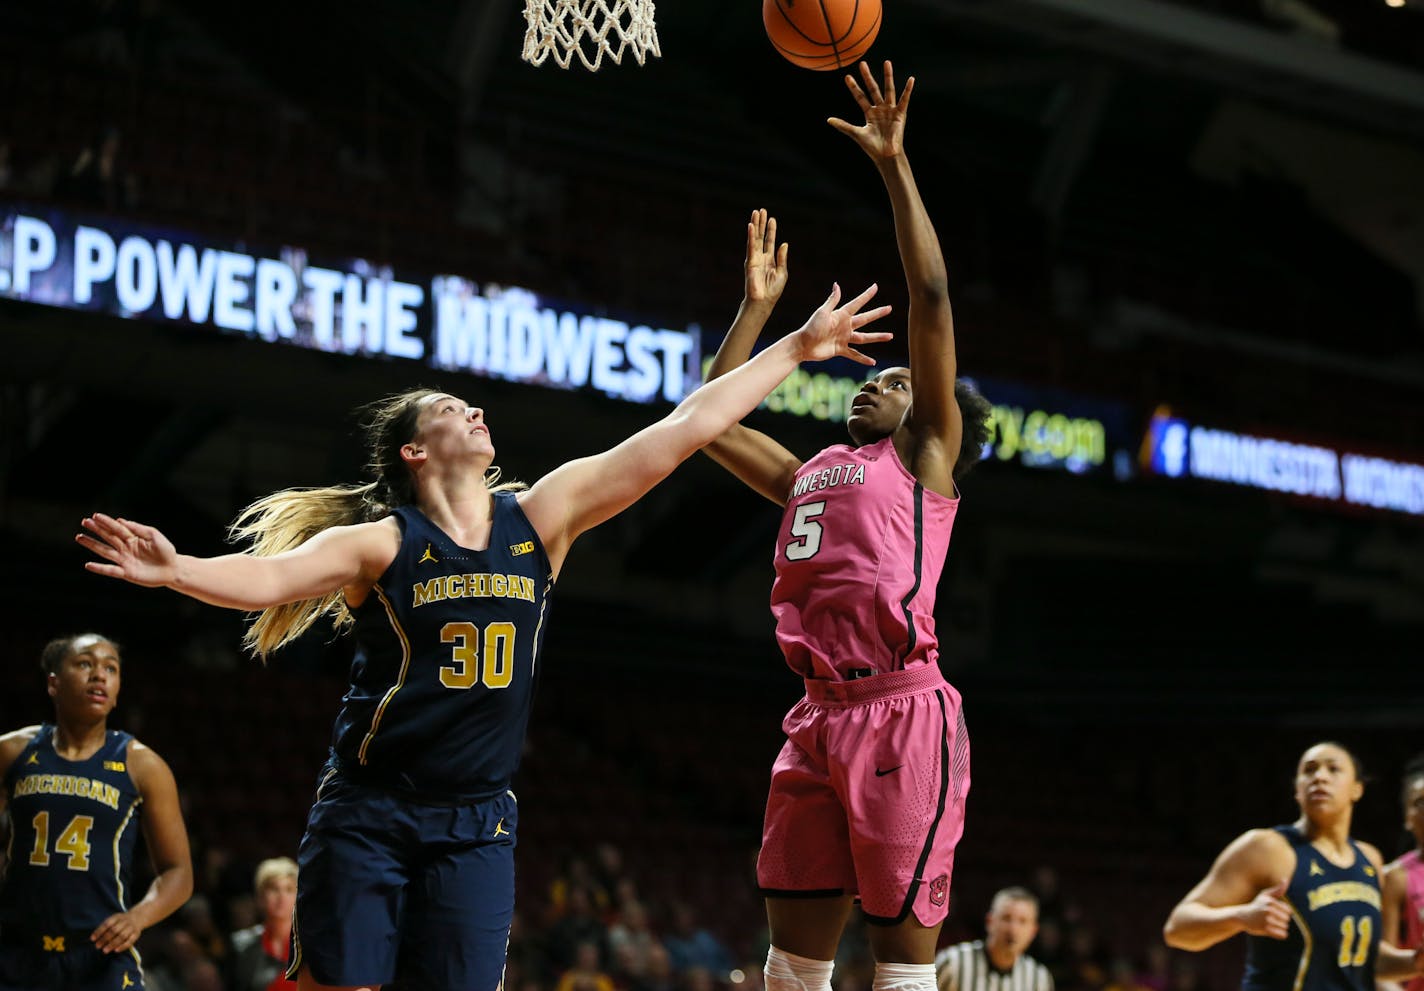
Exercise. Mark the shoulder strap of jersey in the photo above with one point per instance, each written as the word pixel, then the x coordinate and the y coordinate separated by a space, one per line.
pixel 116 745
pixel 17 766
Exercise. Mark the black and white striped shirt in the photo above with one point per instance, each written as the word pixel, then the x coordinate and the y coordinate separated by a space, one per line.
pixel 966 967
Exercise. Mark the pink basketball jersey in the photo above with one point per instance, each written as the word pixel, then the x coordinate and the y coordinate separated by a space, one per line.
pixel 858 559
pixel 1414 908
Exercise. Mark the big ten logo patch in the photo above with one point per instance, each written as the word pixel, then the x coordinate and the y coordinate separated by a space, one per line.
pixel 525 548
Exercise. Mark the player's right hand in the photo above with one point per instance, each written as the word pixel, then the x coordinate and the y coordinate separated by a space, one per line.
pixel 1268 915
pixel 765 268
pixel 134 552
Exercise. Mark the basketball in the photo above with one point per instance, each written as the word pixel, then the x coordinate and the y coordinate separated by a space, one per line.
pixel 821 34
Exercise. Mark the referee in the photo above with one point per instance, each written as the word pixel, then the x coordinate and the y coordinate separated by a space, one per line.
pixel 997 962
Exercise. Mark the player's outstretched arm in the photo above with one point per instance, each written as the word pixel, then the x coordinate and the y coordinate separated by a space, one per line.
pixel 934 415
pixel 754 457
pixel 340 557
pixel 581 494
pixel 167 840
pixel 1243 892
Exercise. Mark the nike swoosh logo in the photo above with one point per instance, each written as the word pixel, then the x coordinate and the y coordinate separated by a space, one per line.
pixel 880 774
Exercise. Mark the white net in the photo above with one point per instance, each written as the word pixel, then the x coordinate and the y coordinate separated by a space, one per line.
pixel 589 29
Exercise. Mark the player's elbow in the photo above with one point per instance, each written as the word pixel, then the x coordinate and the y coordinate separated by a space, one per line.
pixel 1173 934
pixel 934 289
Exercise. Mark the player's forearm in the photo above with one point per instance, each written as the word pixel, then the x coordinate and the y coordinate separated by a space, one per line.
pixel 736 347
pixel 233 581
pixel 169 890
pixel 920 252
pixel 726 398
pixel 1392 963
pixel 1193 926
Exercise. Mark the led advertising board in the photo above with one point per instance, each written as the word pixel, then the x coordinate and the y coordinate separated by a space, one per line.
pixel 1177 448
pixel 350 307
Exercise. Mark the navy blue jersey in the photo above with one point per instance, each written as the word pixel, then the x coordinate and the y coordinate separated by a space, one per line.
pixel 74 825
pixel 447 642
pixel 1335 929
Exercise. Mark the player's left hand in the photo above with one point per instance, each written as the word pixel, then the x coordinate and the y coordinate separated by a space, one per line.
pixel 117 933
pixel 883 135
pixel 833 330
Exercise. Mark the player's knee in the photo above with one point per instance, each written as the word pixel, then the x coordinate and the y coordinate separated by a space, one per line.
pixel 904 977
pixel 788 972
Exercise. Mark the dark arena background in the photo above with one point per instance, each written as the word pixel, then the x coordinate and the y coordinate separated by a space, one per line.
pixel 1186 248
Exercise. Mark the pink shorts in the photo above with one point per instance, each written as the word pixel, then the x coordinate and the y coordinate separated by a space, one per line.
pixel 867 795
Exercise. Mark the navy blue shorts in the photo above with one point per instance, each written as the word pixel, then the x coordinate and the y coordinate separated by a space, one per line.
pixel 78 967
pixel 392 887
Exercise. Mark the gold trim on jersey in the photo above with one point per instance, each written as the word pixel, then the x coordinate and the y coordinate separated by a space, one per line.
pixel 1309 945
pixel 400 679
pixel 119 835
pixel 295 964
pixel 543 608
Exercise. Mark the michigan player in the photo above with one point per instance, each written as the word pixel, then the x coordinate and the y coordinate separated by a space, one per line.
pixel 407 864
pixel 867 796
pixel 1404 878
pixel 78 795
pixel 1306 895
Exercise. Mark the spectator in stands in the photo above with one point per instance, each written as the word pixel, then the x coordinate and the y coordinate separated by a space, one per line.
pixel 580 923
pixel 259 954
pixel 659 975
pixel 608 869
pixel 1262 879
pixel 73 789
pixel 690 944
pixel 196 918
pixel 999 961
pixel 631 938
pixel 407 865
pixel 585 974
pixel 577 873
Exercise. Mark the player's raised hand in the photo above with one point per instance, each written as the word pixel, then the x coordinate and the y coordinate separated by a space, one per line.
pixel 834 331
pixel 1267 915
pixel 883 134
pixel 131 551
pixel 765 269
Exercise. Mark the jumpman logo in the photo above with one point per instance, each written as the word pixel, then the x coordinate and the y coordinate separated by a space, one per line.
pixel 427 556
pixel 1315 868
pixel 499 829
pixel 34 758
pixel 128 981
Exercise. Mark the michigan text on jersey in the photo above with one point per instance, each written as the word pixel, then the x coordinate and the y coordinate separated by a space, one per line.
pixel 472 587
pixel 1344 891
pixel 68 784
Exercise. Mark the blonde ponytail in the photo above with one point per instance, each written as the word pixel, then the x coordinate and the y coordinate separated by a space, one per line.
pixel 288 519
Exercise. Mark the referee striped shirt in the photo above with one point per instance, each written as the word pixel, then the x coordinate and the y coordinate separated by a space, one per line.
pixel 966 967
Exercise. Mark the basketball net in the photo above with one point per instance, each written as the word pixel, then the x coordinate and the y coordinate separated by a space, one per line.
pixel 589 29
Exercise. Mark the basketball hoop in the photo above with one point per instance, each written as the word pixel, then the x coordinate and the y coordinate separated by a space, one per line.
pixel 589 29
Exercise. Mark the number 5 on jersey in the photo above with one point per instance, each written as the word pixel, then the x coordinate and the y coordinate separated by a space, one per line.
pixel 806 531
pixel 493 666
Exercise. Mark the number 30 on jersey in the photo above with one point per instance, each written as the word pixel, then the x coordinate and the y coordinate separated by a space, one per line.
pixel 476 659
